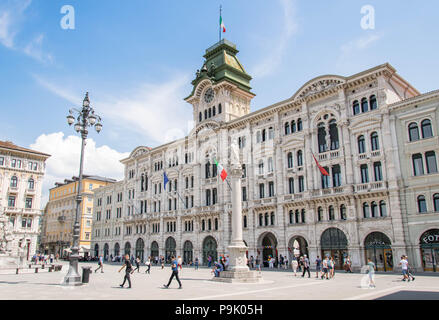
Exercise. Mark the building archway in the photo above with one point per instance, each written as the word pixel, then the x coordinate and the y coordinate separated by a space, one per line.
pixel 154 250
pixel 209 249
pixel 116 249
pixel 334 243
pixel 170 246
pixel 106 251
pixel 268 244
pixel 429 245
pixel 188 249
pixel 303 247
pixel 128 249
pixel 140 247
pixel 378 248
pixel 96 250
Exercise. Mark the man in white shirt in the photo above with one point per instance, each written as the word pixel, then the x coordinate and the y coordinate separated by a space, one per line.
pixel 404 266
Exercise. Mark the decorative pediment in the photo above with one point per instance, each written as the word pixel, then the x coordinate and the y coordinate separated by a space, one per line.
pixel 206 127
pixel 318 85
pixel 139 151
pixel 356 124
pixel 293 143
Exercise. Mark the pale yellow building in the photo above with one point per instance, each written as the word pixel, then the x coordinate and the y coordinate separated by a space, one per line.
pixel 60 215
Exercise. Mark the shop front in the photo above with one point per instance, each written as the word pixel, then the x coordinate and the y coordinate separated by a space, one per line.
pixel 378 248
pixel 429 245
pixel 334 243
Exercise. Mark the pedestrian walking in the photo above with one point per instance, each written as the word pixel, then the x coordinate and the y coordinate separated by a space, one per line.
pixel 286 263
pixel 196 263
pixel 174 267
pixel 348 264
pixel 226 262
pixel 404 266
pixel 137 262
pixel 252 262
pixel 325 266
pixel 318 266
pixel 258 263
pixel 162 262
pixel 306 266
pixel 371 272
pixel 209 261
pixel 270 262
pixel 148 265
pixel 295 265
pixel 128 270
pixel 409 269
pixel 180 262
pixel 332 268
pixel 100 264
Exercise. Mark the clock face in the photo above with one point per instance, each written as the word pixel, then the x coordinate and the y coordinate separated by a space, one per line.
pixel 208 96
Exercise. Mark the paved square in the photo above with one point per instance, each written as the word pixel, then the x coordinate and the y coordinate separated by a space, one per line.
pixel 278 285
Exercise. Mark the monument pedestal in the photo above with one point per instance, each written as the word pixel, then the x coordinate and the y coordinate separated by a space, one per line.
pixel 238 270
pixel 7 261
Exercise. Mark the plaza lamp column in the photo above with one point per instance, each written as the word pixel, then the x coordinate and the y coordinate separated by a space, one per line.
pixel 85 118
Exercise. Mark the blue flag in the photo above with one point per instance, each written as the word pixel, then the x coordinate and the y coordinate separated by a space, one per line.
pixel 165 179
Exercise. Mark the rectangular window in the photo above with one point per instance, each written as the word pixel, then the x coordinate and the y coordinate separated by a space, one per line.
pixel 244 193
pixel 336 176
pixel 2 161
pixel 29 222
pixel 13 163
pixel 23 222
pixel 418 166
pixel 301 184
pixel 271 189
pixel 28 204
pixel 378 172
pixel 430 158
pixel 364 174
pixel 11 201
pixel 261 190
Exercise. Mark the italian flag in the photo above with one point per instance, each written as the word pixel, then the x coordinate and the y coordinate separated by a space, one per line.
pixel 223 27
pixel 322 170
pixel 223 173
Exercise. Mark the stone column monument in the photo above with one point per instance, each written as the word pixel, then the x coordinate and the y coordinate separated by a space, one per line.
pixel 238 270
pixel 7 259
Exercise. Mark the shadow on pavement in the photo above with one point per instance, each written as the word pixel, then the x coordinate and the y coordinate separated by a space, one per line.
pixel 411 295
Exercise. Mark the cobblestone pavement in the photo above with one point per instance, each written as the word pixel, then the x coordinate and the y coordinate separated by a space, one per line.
pixel 196 286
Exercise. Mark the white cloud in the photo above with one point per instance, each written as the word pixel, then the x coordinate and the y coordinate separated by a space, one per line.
pixel 156 112
pixel 12 14
pixel 274 57
pixel 354 47
pixel 64 161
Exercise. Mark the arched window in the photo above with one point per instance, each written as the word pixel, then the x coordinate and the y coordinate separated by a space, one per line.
pixel 413 131
pixel 321 137
pixel 245 222
pixel 336 176
pixel 374 208
pixel 364 173
pixel 299 125
pixel 219 108
pixel 331 213
pixel 377 171
pixel 291 216
pixel 264 135
pixel 361 145
pixel 291 185
pixel 207 169
pixel 287 128
pixel 366 212
pixel 333 133
pixel 422 204
pixel 290 160
pixel 216 223
pixel 31 184
pixel 436 202
pixel 356 107
pixel 343 212
pixel 383 208
pixel 430 158
pixel 364 105
pixel 261 218
pixel 272 218
pixel 270 165
pixel 200 117
pixel 374 141
pixel 299 158
pixel 297 216
pixel 293 126
pixel 210 112
pixel 261 167
pixel 325 179
pixel 426 129
pixel 266 219
pixel 373 102
pixel 205 114
pixel 14 182
pixel 270 133
pixel 302 213
pixel 214 111
pixel 203 225
pixel 418 165
pixel 320 214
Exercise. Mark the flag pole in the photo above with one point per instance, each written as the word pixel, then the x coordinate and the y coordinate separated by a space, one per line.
pixel 228 183
pixel 220 23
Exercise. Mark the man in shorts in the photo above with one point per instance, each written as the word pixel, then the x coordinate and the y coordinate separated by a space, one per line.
pixel 318 266
pixel 325 268
pixel 405 268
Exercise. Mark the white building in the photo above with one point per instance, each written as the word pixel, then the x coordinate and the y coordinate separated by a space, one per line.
pixel 348 123
pixel 21 178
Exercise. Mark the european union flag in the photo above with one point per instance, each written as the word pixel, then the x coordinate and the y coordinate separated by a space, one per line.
pixel 165 179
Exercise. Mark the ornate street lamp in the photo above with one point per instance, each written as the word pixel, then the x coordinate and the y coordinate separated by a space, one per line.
pixel 85 118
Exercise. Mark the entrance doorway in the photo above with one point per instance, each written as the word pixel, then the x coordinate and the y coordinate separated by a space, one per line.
pixel 378 249
pixel 116 249
pixel 334 244
pixel 269 248
pixel 140 247
pixel 128 249
pixel 154 250
pixel 170 246
pixel 188 252
pixel 96 250
pixel 429 243
pixel 303 247
pixel 106 252
pixel 209 249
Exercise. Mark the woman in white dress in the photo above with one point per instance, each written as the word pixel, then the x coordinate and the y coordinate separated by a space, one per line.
pixel 294 265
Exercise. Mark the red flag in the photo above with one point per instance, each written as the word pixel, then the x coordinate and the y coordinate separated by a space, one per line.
pixel 322 170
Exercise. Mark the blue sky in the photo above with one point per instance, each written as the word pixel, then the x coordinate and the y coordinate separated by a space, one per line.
pixel 137 58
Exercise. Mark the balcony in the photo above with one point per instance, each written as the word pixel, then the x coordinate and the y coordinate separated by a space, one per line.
pixel 30 191
pixel 372 186
pixel 329 155
pixel 13 189
pixel 328 191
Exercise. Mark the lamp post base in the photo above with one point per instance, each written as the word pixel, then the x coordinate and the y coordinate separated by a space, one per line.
pixel 72 278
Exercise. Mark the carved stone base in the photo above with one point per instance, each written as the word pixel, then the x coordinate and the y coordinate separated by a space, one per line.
pixel 239 277
pixel 7 261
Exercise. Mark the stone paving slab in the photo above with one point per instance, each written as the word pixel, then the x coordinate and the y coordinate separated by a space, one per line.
pixel 197 286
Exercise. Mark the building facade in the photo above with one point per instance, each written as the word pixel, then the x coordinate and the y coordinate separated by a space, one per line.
pixel 60 213
pixel 346 124
pixel 21 178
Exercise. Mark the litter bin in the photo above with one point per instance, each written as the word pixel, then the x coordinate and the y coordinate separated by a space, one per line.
pixel 86 274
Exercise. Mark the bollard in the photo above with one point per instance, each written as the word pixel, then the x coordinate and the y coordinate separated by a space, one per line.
pixel 16 272
pixel 43 266
pixel 36 270
pixel 30 266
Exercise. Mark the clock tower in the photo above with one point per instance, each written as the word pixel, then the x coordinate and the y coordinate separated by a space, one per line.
pixel 221 90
